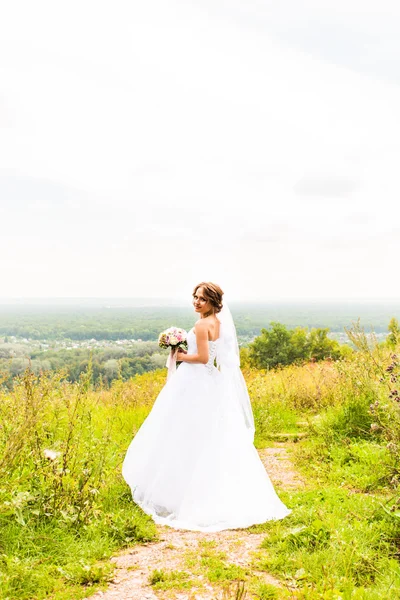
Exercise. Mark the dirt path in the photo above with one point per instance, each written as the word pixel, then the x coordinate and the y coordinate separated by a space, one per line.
pixel 177 550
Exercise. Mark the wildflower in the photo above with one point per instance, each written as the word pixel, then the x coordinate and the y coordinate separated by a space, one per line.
pixel 374 427
pixel 51 454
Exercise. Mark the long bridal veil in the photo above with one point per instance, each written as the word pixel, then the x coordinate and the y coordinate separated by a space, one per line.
pixel 228 362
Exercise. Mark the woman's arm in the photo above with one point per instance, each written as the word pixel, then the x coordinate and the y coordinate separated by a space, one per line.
pixel 201 331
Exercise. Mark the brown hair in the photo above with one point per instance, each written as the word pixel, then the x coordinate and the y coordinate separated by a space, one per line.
pixel 212 292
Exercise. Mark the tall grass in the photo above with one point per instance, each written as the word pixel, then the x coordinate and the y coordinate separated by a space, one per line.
pixel 64 507
pixel 63 503
pixel 342 538
pixel 356 437
pixel 335 545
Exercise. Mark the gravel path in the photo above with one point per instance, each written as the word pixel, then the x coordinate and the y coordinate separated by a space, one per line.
pixel 133 567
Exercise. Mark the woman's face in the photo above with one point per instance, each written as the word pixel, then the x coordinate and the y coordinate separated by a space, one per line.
pixel 201 305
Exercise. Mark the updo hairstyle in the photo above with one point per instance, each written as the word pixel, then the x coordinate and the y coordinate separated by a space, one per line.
pixel 212 292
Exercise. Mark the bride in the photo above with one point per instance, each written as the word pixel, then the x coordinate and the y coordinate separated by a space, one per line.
pixel 192 464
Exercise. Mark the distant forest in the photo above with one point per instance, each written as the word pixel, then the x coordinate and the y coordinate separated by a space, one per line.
pixel 122 341
pixel 145 323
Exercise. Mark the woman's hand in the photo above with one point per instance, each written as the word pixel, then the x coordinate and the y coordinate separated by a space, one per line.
pixel 180 354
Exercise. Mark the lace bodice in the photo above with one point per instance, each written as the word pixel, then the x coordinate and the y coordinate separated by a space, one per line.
pixel 212 349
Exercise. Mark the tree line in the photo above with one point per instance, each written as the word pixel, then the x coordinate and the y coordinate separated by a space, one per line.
pixel 280 346
pixel 276 346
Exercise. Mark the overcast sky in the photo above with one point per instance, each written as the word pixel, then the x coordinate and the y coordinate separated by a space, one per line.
pixel 149 145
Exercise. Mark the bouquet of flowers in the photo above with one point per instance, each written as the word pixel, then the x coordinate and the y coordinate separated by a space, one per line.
pixel 175 339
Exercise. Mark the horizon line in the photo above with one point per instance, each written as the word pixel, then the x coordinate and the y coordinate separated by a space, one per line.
pixel 180 300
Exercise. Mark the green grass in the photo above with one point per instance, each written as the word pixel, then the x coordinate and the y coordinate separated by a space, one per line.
pixel 217 569
pixel 51 558
pixel 161 579
pixel 273 420
pixel 334 540
pixel 265 591
pixel 361 465
pixel 342 538
pixel 212 566
pixel 62 518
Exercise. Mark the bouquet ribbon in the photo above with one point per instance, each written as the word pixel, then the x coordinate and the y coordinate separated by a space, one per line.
pixel 171 362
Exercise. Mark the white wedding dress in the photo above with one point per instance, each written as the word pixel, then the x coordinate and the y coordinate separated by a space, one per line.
pixel 192 464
